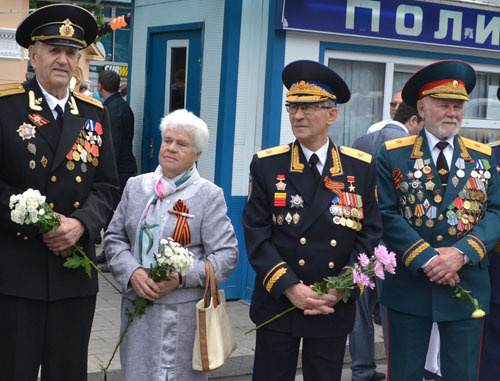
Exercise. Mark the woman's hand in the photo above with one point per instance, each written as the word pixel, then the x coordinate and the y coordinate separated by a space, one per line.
pixel 168 285
pixel 144 286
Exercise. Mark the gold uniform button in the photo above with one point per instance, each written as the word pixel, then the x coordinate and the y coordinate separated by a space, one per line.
pixel 331 265
pixel 76 204
pixel 333 243
pixel 303 241
pixel 439 237
pixel 78 179
pixel 18 234
pixel 25 238
pixel 441 217
pixel 53 179
pixel 302 262
pixel 51 205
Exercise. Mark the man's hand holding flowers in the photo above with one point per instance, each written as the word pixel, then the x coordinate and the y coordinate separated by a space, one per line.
pixel 65 236
pixel 304 298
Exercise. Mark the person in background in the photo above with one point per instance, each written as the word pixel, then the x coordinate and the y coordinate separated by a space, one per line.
pixel 394 104
pixel 123 91
pixel 159 345
pixel 121 120
pixel 432 191
pixel 46 309
pixel 361 340
pixel 85 88
pixel 294 235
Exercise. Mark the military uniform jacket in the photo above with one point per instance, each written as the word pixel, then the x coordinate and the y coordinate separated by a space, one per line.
pixel 299 231
pixel 73 167
pixel 420 215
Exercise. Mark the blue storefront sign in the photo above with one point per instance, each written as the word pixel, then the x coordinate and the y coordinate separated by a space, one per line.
pixel 408 21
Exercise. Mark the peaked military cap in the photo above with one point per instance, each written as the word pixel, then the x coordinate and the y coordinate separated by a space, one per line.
pixel 448 79
pixel 310 81
pixel 58 24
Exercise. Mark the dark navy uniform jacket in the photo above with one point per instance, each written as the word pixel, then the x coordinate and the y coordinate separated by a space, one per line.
pixel 35 153
pixel 299 231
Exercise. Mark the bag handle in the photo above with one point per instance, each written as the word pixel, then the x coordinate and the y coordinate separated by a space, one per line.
pixel 210 282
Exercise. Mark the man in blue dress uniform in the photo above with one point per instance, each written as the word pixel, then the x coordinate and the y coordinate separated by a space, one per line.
pixel 440 203
pixel 58 142
pixel 311 210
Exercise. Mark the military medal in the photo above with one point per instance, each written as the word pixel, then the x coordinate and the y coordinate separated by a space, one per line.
pixel 37 120
pixel 418 222
pixel 70 165
pixel 426 204
pixel 411 198
pixel 280 219
pixel 487 175
pixel 426 170
pixel 83 167
pixel 26 131
pixel 279 199
pixel 419 165
pixel 274 219
pixel 335 210
pixel 295 201
pixel 429 185
pixel 350 180
pixel 452 230
pixel 44 161
pixel 288 218
pixel 95 162
pixel 438 198
pixel 349 223
pixel 404 187
pixel 31 148
pixel 32 164
pixel 280 185
pixel 454 181
pixel 296 218
pixel 420 195
pixel 429 223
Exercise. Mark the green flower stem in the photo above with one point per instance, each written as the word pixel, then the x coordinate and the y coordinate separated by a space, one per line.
pixel 103 275
pixel 270 320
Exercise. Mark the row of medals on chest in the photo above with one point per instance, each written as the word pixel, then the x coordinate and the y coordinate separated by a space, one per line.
pixel 463 213
pixel 81 154
pixel 343 215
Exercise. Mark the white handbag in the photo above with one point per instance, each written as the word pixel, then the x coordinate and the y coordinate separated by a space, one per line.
pixel 214 339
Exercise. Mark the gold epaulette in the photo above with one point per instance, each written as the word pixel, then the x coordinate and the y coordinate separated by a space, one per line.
pixel 11 88
pixel 476 146
pixel 494 144
pixel 88 99
pixel 273 151
pixel 356 153
pixel 400 142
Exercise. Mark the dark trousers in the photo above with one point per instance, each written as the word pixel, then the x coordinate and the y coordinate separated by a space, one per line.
pixel 490 352
pixel 276 355
pixel 54 335
pixel 409 335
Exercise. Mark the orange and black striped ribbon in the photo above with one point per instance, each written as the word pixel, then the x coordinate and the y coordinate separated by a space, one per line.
pixel 182 233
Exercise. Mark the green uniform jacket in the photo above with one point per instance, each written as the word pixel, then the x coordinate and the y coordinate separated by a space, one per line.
pixel 419 217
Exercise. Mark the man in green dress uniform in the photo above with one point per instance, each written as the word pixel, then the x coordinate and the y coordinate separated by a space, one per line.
pixel 440 203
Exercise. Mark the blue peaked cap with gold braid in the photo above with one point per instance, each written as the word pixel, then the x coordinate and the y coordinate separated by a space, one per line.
pixel 311 82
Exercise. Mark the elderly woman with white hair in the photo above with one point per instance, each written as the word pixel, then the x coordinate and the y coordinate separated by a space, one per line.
pixel 159 344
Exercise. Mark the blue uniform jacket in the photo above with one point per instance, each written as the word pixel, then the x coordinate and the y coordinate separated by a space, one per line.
pixel 294 232
pixel 419 217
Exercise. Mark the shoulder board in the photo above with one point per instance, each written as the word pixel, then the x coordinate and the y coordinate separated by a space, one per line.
pixel 273 151
pixel 400 142
pixel 11 88
pixel 494 144
pixel 356 153
pixel 88 99
pixel 476 146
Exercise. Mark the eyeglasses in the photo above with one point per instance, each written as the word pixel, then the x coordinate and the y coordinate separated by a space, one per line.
pixel 394 104
pixel 307 108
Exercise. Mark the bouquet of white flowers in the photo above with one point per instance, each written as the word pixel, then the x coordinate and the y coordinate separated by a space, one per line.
pixel 172 258
pixel 30 208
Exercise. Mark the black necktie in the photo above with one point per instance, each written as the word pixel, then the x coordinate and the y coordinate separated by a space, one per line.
pixel 59 119
pixel 442 164
pixel 312 162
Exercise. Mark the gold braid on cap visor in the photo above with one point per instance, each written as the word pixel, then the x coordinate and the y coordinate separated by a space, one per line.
pixel 449 90
pixel 66 32
pixel 305 91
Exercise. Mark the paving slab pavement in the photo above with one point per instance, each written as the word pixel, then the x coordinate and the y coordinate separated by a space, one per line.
pixel 106 327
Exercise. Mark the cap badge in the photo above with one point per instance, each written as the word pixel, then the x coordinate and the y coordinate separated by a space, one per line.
pixel 66 29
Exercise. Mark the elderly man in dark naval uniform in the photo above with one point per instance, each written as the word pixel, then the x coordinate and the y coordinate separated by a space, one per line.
pixel 440 201
pixel 58 142
pixel 311 210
